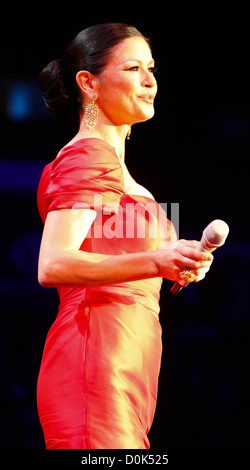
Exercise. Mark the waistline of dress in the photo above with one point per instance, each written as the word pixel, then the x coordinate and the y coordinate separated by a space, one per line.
pixel 146 292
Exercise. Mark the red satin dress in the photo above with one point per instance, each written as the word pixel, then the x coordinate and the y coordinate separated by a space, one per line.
pixel 97 385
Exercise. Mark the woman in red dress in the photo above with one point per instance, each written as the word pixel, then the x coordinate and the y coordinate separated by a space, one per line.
pixel 106 246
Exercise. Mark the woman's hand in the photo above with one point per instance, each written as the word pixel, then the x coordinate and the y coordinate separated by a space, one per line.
pixel 180 256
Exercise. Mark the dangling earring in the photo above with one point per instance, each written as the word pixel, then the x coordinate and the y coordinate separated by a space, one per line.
pixel 129 133
pixel 90 116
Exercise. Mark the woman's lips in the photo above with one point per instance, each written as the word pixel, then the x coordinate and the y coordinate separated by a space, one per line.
pixel 147 98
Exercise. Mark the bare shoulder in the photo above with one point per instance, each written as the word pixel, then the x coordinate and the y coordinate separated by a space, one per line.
pixel 138 190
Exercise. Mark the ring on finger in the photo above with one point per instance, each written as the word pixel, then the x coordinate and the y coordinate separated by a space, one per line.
pixel 187 276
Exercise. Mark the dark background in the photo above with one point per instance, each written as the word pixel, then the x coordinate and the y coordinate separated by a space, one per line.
pixel 194 152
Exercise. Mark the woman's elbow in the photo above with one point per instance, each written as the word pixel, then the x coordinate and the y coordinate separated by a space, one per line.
pixel 46 276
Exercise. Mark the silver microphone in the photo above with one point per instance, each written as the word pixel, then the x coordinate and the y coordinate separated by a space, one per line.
pixel 213 236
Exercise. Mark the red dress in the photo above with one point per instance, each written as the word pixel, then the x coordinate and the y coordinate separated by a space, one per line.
pixel 97 385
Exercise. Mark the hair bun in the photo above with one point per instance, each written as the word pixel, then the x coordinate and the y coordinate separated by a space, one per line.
pixel 51 83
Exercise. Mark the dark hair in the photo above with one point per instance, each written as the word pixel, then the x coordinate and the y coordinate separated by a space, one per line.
pixel 90 50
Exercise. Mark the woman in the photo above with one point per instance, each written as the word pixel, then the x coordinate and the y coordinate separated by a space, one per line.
pixel 97 384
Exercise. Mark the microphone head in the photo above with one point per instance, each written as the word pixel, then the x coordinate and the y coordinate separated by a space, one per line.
pixel 214 235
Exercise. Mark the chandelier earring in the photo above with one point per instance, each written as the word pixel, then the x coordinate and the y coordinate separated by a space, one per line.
pixel 129 133
pixel 90 116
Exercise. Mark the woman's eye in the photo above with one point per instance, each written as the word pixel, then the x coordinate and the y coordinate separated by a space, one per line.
pixel 153 69
pixel 136 68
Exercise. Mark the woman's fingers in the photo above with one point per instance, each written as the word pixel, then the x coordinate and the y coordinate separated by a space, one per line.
pixel 192 257
pixel 180 256
pixel 200 273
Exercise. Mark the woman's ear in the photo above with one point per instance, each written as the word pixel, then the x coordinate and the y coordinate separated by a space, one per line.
pixel 87 83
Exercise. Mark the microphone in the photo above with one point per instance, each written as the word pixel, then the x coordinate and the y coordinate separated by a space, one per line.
pixel 213 236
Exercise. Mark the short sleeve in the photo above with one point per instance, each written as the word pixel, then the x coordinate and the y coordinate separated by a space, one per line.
pixel 86 174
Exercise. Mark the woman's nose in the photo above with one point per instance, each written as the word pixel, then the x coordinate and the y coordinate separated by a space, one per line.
pixel 148 80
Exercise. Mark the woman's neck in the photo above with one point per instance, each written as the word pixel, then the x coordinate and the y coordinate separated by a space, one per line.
pixel 113 135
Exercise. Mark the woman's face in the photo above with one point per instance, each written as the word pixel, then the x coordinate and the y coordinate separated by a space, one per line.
pixel 127 86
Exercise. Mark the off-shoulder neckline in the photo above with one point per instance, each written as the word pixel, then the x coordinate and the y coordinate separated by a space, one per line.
pixel 87 139
pixel 103 142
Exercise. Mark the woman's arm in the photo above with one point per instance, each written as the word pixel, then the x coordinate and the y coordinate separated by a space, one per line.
pixel 61 263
